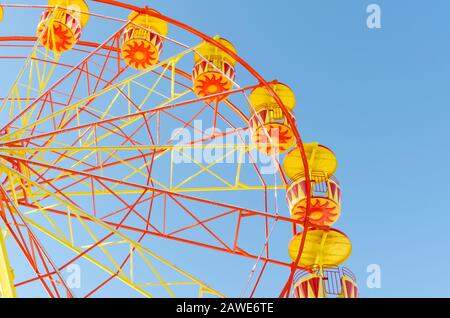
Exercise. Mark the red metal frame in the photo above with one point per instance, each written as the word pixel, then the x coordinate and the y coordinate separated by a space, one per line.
pixel 112 45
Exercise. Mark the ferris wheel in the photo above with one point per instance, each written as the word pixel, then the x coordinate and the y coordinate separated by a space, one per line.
pixel 140 157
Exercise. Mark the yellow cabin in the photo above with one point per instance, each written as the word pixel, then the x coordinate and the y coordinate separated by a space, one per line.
pixel 214 70
pixel 325 208
pixel 322 248
pixel 142 40
pixel 268 126
pixel 321 160
pixel 60 26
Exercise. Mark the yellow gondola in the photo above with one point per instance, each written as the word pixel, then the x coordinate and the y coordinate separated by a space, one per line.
pixel 325 206
pixel 269 127
pixel 60 26
pixel 214 70
pixel 322 248
pixel 142 40
pixel 322 161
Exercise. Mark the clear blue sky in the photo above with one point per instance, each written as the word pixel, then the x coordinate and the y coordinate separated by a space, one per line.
pixel 380 99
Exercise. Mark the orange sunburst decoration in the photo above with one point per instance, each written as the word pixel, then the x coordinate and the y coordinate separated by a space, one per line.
pixel 139 54
pixel 59 31
pixel 58 38
pixel 281 138
pixel 212 83
pixel 214 71
pixel 323 212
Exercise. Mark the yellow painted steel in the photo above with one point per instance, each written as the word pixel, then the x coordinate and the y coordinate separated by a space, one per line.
pixel 7 289
pixel 32 78
pixel 322 162
pixel 73 150
pixel 205 168
pixel 73 107
pixel 216 57
pixel 322 248
pixel 89 141
pixel 229 149
pixel 82 216
pixel 1 14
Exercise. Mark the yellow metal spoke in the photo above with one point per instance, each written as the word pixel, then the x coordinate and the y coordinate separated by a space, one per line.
pixel 204 169
pixel 94 96
pixel 69 246
pixel 81 213
pixel 36 79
